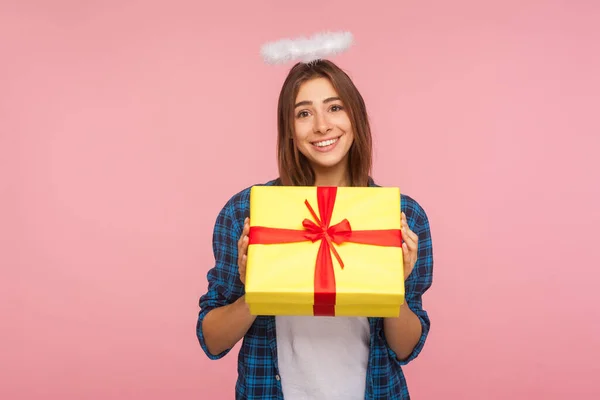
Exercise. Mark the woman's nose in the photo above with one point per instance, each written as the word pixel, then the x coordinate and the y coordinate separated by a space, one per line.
pixel 322 124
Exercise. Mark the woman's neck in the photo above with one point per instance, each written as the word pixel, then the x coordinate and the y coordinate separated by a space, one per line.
pixel 332 177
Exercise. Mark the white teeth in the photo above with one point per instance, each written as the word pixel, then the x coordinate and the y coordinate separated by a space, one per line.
pixel 326 142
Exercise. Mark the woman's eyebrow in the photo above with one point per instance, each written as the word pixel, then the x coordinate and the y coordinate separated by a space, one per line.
pixel 308 102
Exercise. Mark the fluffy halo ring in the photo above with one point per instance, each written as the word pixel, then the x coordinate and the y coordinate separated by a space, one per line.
pixel 306 50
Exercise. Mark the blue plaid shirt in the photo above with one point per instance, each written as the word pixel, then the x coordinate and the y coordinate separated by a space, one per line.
pixel 258 375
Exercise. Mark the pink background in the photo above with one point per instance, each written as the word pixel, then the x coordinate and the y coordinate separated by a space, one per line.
pixel 125 126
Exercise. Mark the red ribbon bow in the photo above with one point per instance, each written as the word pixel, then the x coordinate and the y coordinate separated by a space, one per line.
pixel 324 282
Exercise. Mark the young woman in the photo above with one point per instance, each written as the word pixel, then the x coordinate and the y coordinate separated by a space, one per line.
pixel 324 139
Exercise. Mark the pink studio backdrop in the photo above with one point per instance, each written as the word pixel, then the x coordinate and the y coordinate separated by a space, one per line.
pixel 125 126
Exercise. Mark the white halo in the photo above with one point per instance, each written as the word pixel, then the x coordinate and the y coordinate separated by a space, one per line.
pixel 306 50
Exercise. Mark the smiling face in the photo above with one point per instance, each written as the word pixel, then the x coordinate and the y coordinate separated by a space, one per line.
pixel 322 128
pixel 323 132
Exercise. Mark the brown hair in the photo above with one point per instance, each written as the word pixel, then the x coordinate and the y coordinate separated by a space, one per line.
pixel 294 169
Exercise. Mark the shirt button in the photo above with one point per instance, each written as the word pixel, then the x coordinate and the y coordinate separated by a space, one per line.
pixel 277 377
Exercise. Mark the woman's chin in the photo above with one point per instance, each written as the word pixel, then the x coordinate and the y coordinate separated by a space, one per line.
pixel 326 161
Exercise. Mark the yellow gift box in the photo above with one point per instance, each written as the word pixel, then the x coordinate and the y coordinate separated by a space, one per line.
pixel 325 251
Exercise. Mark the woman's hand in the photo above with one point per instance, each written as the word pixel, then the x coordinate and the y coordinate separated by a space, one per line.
pixel 410 247
pixel 242 250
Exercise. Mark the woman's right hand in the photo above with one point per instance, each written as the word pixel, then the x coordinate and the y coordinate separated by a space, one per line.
pixel 225 326
pixel 243 250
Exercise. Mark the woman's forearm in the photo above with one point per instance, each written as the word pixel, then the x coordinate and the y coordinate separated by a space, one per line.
pixel 223 327
pixel 403 333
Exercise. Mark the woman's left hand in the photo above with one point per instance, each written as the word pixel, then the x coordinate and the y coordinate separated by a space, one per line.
pixel 410 247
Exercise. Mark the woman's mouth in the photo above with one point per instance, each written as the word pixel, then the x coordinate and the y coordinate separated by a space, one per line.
pixel 325 145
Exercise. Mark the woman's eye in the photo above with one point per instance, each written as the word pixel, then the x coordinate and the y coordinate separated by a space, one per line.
pixel 303 114
pixel 336 108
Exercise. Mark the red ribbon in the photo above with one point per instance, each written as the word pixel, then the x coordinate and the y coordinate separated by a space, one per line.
pixel 321 229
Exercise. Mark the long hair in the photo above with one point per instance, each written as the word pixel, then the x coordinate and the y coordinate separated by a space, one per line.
pixel 294 168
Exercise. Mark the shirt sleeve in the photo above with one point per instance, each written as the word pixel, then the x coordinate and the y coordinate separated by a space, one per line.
pixel 419 281
pixel 224 285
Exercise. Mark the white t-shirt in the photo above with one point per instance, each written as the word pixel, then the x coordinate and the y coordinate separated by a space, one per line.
pixel 323 358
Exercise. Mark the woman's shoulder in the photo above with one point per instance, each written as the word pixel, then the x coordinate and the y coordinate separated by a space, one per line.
pixel 409 205
pixel 239 203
